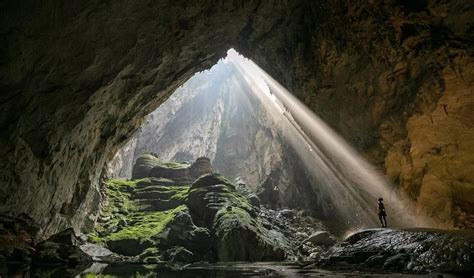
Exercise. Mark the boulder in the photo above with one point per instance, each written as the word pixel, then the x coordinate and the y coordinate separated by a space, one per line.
pixel 211 179
pixel 128 246
pixel 143 165
pixel 240 235
pixel 67 237
pixel 181 231
pixel 322 238
pixel 201 166
pixel 61 248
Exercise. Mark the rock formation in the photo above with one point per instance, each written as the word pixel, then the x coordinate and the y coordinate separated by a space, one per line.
pixel 394 78
pixel 185 213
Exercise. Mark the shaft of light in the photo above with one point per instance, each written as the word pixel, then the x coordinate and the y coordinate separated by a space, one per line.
pixel 351 183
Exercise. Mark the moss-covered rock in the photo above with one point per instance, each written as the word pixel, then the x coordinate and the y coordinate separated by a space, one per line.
pixel 181 231
pixel 149 165
pixel 152 219
pixel 241 237
pixel 215 203
pixel 142 232
pixel 135 213
pixel 143 166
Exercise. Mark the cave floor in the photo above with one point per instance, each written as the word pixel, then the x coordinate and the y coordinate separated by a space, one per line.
pixel 225 270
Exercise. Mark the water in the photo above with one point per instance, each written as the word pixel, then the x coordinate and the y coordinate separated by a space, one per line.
pixel 221 270
pixel 348 187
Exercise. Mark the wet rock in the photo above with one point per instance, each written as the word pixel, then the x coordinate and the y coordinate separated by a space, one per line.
pixel 95 250
pixel 405 250
pixel 181 254
pixel 322 238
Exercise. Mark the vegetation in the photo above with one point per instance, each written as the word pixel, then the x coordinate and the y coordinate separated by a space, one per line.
pixel 122 217
pixel 145 224
pixel 136 213
pixel 153 161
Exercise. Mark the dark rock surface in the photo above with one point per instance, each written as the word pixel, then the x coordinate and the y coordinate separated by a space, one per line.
pixel 17 238
pixel 61 248
pixel 404 250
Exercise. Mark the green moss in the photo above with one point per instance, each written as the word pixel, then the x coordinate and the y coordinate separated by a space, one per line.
pixel 161 180
pixel 146 224
pixel 227 218
pixel 93 237
pixel 173 165
pixel 151 161
pixel 121 183
pixel 211 179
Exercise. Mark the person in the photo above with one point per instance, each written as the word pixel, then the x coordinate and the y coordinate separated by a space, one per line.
pixel 382 214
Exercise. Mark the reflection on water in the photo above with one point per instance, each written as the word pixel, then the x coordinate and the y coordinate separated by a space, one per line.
pixel 224 270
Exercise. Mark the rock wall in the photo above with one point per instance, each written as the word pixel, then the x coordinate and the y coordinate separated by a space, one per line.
pixel 77 79
pixel 395 80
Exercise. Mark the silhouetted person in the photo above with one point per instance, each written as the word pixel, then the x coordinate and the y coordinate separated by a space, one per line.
pixel 382 214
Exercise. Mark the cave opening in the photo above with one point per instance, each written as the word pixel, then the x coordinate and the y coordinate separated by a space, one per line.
pixel 242 170
pixel 236 126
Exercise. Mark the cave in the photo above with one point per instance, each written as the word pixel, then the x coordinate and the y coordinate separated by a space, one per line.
pixel 82 81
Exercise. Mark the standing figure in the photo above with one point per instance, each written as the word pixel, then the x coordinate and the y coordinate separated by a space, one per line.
pixel 382 214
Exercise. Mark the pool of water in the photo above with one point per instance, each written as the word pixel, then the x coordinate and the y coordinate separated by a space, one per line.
pixel 224 270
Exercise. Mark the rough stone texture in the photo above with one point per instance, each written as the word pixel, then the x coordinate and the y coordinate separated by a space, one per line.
pixel 61 248
pixel 410 250
pixel 155 219
pixel 239 233
pixel 78 78
pixel 149 166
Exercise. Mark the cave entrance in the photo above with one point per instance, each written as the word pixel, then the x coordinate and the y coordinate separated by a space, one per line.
pixel 254 132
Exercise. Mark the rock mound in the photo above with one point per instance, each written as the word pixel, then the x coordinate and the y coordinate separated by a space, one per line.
pixel 405 250
pixel 149 165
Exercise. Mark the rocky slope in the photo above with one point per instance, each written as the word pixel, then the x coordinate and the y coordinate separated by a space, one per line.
pixel 78 78
pixel 184 213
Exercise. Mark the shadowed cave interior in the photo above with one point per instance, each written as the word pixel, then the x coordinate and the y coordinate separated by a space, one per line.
pixel 236 138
